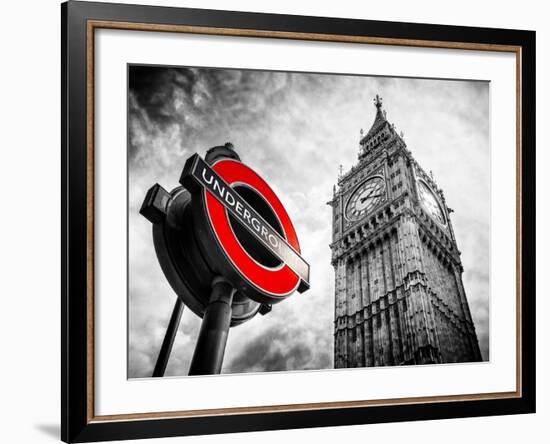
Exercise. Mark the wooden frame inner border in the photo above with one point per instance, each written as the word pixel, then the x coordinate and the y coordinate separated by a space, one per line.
pixel 92 25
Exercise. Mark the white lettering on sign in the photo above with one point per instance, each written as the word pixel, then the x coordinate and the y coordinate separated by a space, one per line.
pixel 220 188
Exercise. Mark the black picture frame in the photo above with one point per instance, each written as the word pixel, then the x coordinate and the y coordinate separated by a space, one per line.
pixel 78 423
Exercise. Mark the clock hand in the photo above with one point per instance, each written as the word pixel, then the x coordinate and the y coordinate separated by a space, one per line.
pixel 365 198
pixel 368 195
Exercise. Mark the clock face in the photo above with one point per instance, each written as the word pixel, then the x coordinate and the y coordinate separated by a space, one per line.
pixel 367 196
pixel 428 199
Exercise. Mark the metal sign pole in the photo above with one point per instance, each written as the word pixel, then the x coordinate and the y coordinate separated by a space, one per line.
pixel 210 348
pixel 168 342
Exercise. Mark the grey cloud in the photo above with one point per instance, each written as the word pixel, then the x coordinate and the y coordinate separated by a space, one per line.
pixel 274 351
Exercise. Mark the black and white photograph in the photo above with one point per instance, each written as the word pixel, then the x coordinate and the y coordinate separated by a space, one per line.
pixel 375 193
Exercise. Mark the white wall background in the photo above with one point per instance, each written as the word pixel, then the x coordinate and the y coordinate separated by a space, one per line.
pixel 29 228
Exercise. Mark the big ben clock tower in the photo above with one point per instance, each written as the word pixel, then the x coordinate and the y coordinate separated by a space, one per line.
pixel 399 297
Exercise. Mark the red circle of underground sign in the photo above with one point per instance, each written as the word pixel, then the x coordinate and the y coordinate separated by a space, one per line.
pixel 278 282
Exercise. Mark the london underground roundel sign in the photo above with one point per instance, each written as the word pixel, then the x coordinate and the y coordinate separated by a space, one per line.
pixel 244 230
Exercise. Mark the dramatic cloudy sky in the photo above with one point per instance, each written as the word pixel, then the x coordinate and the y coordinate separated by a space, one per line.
pixel 295 129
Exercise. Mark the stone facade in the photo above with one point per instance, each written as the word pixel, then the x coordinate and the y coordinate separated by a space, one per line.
pixel 399 297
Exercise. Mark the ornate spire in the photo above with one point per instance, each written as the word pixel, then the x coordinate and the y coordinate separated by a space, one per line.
pixel 379 120
pixel 378 101
pixel 380 113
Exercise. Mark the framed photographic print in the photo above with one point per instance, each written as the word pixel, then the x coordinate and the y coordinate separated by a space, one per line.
pixel 276 221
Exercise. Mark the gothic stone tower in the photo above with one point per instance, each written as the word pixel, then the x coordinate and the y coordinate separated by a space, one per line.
pixel 399 297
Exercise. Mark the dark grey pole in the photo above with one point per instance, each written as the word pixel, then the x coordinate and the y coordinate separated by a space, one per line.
pixel 168 342
pixel 210 348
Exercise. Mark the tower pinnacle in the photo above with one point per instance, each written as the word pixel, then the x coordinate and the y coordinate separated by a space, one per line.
pixel 380 122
